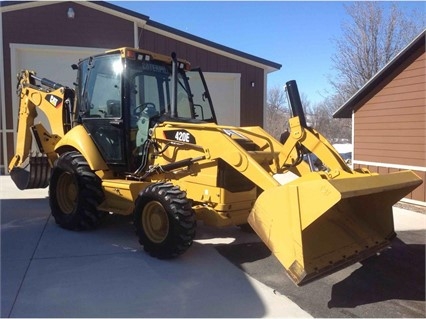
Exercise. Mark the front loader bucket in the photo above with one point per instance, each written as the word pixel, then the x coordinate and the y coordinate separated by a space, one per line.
pixel 35 174
pixel 316 226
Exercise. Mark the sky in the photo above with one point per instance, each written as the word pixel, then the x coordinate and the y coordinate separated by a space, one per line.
pixel 296 34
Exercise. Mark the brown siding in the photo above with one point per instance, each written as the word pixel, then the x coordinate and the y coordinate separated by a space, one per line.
pixel 419 194
pixel 251 108
pixel 49 25
pixel 390 127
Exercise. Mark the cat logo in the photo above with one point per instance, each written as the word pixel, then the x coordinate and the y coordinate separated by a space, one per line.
pixel 56 101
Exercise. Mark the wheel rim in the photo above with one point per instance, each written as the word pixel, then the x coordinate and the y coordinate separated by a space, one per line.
pixel 155 222
pixel 66 193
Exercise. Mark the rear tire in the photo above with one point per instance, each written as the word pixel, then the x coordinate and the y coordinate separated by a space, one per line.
pixel 74 193
pixel 164 220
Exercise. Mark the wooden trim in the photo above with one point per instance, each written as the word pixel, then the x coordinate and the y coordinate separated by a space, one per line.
pixel 397 166
pixel 413 201
pixel 27 5
pixel 418 195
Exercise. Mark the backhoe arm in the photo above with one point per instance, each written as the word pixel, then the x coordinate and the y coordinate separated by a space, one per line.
pixel 30 166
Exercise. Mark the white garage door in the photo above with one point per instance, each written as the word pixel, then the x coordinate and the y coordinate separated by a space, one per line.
pixel 51 62
pixel 224 89
pixel 54 63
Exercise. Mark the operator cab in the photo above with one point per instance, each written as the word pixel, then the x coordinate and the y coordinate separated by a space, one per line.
pixel 123 93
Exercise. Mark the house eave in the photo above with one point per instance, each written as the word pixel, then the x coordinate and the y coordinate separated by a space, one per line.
pixel 345 111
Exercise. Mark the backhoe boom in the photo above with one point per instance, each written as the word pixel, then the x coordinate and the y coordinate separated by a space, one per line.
pixel 30 166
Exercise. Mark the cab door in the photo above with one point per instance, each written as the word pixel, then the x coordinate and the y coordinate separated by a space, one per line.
pixel 101 105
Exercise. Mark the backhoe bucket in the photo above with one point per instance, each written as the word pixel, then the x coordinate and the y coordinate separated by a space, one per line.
pixel 35 174
pixel 316 226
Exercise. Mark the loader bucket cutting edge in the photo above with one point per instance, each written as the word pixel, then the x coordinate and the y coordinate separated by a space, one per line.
pixel 320 226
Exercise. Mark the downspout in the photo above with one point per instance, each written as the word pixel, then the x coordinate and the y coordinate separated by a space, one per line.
pixel 135 35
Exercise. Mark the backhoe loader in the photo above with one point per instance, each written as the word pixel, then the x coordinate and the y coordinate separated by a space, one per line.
pixel 138 135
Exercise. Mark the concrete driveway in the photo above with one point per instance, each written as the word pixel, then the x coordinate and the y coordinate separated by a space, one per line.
pixel 47 271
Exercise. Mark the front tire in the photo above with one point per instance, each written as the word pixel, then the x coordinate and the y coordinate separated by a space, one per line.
pixel 74 193
pixel 164 220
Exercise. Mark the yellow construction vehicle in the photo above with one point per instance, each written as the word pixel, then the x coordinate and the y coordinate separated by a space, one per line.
pixel 138 135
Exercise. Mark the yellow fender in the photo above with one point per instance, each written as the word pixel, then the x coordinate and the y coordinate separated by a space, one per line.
pixel 78 138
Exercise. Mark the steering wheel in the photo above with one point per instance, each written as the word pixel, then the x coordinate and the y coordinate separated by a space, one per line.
pixel 139 109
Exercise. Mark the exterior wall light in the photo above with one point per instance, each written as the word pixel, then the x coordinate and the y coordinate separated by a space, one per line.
pixel 70 13
pixel 252 84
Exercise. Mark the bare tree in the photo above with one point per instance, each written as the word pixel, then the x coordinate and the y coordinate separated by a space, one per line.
pixel 277 113
pixel 334 130
pixel 370 40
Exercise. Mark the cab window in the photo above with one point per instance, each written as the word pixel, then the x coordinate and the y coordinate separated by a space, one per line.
pixel 102 94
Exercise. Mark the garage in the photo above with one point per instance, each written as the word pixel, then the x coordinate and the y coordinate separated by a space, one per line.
pixel 229 73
